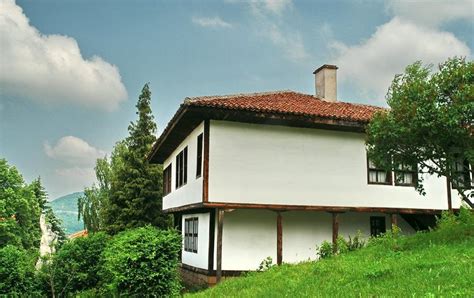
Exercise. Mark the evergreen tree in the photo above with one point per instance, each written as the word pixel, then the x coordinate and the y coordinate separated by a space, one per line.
pixel 135 188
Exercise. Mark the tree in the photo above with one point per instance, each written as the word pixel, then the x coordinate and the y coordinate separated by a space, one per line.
pixel 135 188
pixel 429 125
pixel 92 205
pixel 19 210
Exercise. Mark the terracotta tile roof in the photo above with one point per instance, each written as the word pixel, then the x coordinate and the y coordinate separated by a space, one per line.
pixel 79 234
pixel 287 102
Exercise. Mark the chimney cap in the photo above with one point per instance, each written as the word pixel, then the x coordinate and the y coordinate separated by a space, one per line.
pixel 329 66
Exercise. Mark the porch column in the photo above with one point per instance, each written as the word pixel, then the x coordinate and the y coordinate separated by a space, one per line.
pixel 394 219
pixel 220 224
pixel 335 230
pixel 279 239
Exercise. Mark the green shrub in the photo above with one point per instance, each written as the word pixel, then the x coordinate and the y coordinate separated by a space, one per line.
pixel 325 250
pixel 266 264
pixel 75 267
pixel 143 261
pixel 17 272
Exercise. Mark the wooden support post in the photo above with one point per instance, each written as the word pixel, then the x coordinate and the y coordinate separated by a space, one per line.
pixel 279 239
pixel 448 186
pixel 335 230
pixel 220 225
pixel 394 219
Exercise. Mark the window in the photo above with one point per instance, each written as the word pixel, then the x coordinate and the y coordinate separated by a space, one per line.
pixel 191 234
pixel 182 168
pixel 199 157
pixel 377 225
pixel 377 175
pixel 167 180
pixel 461 174
pixel 406 175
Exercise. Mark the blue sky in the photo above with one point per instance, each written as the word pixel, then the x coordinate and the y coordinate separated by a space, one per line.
pixel 71 71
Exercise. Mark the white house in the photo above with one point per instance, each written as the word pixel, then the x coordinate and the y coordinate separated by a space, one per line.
pixel 249 176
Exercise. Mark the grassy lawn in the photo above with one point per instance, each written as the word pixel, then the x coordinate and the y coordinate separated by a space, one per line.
pixel 438 263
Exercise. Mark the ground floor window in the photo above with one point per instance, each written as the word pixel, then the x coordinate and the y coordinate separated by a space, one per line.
pixel 191 234
pixel 377 225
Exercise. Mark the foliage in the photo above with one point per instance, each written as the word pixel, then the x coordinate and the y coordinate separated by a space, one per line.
pixel 143 260
pixel 325 250
pixel 17 272
pixel 437 263
pixel 19 210
pixel 429 123
pixel 136 188
pixel 353 243
pixel 75 267
pixel 266 264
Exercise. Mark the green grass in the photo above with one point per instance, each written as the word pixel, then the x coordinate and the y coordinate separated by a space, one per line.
pixel 438 263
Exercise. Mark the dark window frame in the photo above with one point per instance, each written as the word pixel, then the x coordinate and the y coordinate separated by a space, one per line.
pixel 378 225
pixel 370 169
pixel 181 174
pixel 167 173
pixel 465 171
pixel 413 171
pixel 191 232
pixel 199 151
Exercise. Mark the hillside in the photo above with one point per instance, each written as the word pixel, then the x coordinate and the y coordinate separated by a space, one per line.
pixel 65 208
pixel 438 263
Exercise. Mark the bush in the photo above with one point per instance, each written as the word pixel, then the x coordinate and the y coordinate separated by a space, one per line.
pixel 266 264
pixel 75 267
pixel 143 261
pixel 326 249
pixel 17 272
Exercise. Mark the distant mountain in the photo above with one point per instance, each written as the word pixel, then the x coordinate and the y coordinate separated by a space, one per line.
pixel 65 208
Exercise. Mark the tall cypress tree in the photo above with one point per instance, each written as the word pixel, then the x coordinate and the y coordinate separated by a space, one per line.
pixel 135 192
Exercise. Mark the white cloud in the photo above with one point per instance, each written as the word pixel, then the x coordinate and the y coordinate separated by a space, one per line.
pixel 50 68
pixel 432 13
pixel 372 64
pixel 214 22
pixel 269 15
pixel 73 179
pixel 73 150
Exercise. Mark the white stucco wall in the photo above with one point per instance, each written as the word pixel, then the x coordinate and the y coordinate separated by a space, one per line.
pixel 191 192
pixel 268 164
pixel 200 258
pixel 250 236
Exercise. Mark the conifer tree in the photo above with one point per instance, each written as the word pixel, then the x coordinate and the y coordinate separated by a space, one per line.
pixel 135 188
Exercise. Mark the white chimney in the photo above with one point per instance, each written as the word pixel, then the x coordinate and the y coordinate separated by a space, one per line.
pixel 326 82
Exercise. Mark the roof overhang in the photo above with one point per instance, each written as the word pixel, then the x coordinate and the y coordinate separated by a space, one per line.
pixel 188 117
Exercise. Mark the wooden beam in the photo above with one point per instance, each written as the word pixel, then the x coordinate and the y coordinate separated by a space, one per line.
pixel 205 175
pixel 212 229
pixel 338 209
pixel 220 225
pixel 279 239
pixel 335 230
pixel 448 186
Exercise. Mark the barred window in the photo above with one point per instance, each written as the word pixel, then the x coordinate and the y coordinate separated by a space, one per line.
pixel 191 234
pixel 377 225
pixel 199 157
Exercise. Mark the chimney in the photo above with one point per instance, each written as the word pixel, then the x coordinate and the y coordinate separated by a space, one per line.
pixel 326 82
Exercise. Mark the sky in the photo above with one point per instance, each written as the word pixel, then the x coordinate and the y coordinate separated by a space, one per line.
pixel 71 71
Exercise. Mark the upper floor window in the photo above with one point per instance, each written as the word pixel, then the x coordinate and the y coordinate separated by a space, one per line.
pixel 377 175
pixel 182 168
pixel 199 157
pixel 377 225
pixel 461 174
pixel 167 180
pixel 406 175
pixel 191 234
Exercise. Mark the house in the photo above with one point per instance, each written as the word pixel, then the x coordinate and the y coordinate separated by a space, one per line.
pixel 273 174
